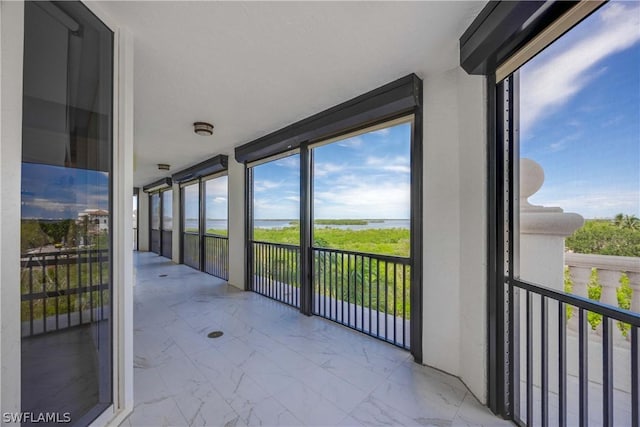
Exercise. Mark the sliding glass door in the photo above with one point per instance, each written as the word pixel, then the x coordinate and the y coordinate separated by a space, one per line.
pixel 166 208
pixel 191 224
pixel 361 230
pixel 274 244
pixel 215 233
pixel 66 239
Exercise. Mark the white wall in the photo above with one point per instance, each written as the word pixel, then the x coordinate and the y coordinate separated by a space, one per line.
pixel 441 223
pixel 11 48
pixel 454 245
pixel 236 223
pixel 473 237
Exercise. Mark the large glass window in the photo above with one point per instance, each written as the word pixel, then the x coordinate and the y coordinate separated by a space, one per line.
pixel 361 192
pixel 276 203
pixel 66 213
pixel 216 205
pixel 191 225
pixel 572 191
pixel 275 242
pixel 191 208
pixel 167 210
pixel 334 223
pixel 135 221
pixel 155 211
pixel 361 208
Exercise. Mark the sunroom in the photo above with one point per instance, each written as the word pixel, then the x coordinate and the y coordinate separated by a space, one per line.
pixel 344 213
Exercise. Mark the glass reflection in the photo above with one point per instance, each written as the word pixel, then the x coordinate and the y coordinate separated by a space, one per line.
pixel 66 213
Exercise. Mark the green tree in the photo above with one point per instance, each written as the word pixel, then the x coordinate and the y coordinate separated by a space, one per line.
pixel 624 292
pixel 630 222
pixel 568 288
pixel 594 292
pixel 31 235
pixel 618 220
pixel 57 230
pixel 603 237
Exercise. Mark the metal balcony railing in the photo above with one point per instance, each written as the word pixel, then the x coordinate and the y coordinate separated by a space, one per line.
pixel 366 292
pixel 63 289
pixel 565 377
pixel 216 255
pixel 191 249
pixel 276 271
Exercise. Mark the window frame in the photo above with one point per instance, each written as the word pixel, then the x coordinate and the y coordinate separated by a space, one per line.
pixel 395 100
pixel 503 37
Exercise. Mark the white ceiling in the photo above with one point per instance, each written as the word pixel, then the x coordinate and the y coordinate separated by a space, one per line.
pixel 251 68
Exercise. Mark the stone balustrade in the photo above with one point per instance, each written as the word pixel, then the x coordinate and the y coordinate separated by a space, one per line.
pixel 610 268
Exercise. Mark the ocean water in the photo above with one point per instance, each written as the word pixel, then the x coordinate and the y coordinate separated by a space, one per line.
pixel 218 224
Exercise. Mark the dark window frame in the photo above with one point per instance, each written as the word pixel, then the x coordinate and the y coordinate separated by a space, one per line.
pixel 400 98
pixel 499 32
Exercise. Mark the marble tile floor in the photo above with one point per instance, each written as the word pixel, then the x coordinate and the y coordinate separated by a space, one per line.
pixel 273 366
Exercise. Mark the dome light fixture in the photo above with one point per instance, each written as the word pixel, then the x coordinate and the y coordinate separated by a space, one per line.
pixel 163 167
pixel 203 128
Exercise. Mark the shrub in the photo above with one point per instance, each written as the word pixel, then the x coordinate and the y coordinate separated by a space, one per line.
pixel 568 288
pixel 624 294
pixel 604 237
pixel 594 292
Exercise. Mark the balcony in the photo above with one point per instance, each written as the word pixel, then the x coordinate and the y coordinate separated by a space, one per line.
pixel 272 365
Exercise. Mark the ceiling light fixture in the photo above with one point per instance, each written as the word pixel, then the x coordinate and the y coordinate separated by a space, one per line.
pixel 203 129
pixel 163 167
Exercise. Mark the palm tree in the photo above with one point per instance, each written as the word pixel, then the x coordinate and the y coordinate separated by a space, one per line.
pixel 618 220
pixel 631 222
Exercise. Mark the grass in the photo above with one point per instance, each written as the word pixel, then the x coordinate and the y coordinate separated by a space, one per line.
pixel 359 280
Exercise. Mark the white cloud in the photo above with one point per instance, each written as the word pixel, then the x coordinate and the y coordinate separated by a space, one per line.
pixel 398 164
pixel 365 200
pixel 263 185
pixel 562 144
pixel 382 132
pixel 397 168
pixel 548 84
pixel 290 162
pixel 325 168
pixel 52 205
pixel 354 142
pixel 591 203
pixel 217 187
pixel 276 208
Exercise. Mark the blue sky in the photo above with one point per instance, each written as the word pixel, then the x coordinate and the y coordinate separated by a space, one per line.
pixel 365 176
pixel 580 119
pixel 580 115
pixel 58 192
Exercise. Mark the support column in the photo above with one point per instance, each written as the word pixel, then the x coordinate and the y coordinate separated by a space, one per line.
pixel 237 251
pixel 11 45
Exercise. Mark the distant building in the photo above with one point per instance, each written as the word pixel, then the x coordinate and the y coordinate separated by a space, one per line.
pixel 96 219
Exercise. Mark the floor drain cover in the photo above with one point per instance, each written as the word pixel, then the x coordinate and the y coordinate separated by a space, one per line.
pixel 215 334
pixel 162 275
